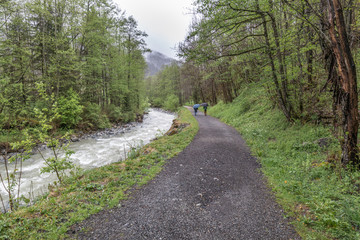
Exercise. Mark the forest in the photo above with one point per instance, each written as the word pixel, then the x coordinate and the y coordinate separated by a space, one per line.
pixel 303 53
pixel 283 73
pixel 66 66
pixel 88 56
pixel 85 54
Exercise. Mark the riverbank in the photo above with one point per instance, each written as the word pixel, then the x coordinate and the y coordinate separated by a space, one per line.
pixel 87 192
pixel 302 166
pixel 6 138
pixel 95 150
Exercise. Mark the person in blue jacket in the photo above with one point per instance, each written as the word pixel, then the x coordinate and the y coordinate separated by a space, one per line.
pixel 196 107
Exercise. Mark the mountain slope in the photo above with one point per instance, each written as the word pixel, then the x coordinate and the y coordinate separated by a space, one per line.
pixel 156 61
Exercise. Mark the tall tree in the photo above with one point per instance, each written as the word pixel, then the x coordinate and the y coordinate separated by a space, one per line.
pixel 135 46
pixel 348 95
pixel 84 45
pixel 282 38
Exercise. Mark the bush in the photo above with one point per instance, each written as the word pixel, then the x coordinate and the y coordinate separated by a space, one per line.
pixel 157 102
pixel 94 118
pixel 114 113
pixel 171 103
pixel 70 109
pixel 144 104
pixel 128 117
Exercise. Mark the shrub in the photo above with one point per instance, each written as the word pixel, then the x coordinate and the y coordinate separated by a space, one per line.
pixel 144 104
pixel 114 113
pixel 128 117
pixel 157 102
pixel 70 109
pixel 171 103
pixel 94 118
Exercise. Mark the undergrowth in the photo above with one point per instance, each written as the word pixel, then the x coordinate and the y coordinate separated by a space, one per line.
pixel 88 192
pixel 302 166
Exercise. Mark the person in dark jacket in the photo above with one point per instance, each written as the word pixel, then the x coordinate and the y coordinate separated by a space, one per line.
pixel 205 105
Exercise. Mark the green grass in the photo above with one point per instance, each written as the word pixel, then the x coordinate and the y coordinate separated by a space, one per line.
pixel 88 192
pixel 322 199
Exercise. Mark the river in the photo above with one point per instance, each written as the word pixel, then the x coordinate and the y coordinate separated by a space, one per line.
pixel 94 152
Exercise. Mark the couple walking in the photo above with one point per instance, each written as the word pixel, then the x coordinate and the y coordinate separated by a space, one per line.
pixel 204 105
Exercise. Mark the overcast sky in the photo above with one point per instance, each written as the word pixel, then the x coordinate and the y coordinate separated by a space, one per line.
pixel 165 21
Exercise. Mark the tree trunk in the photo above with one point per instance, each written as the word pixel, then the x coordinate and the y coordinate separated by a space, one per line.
pixel 284 82
pixel 309 53
pixel 281 99
pixel 347 82
pixel 213 92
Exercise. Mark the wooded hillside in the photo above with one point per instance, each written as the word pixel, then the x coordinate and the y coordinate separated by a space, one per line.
pixel 85 53
pixel 304 53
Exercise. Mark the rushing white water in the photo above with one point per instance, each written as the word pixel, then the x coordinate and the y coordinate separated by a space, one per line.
pixel 94 152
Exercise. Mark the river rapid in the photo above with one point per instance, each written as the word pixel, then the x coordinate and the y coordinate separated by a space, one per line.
pixel 95 151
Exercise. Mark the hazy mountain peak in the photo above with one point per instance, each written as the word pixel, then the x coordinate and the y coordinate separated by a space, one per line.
pixel 156 61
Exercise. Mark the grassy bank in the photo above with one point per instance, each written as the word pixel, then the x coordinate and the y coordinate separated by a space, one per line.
pixel 301 165
pixel 85 193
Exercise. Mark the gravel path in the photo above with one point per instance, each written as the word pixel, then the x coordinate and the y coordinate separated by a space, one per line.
pixel 212 190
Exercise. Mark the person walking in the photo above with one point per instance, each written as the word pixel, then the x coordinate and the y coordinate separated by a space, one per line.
pixel 205 105
pixel 196 107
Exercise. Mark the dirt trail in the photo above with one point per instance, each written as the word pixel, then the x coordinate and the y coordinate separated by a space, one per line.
pixel 212 190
